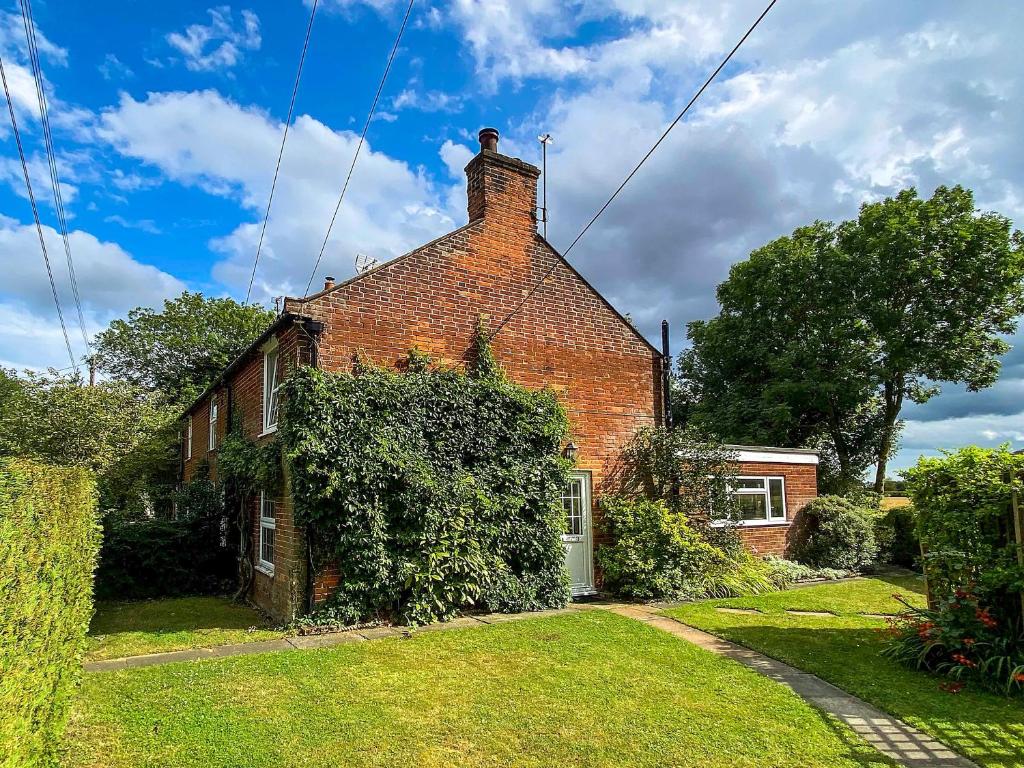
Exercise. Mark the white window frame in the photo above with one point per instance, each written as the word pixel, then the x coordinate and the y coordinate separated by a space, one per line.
pixel 188 439
pixel 266 524
pixel 271 386
pixel 767 493
pixel 212 442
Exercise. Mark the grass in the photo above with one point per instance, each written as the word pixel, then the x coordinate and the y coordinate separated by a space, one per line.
pixel 583 689
pixel 844 649
pixel 153 626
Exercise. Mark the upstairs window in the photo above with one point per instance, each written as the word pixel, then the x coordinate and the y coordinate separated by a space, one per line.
pixel 759 500
pixel 271 385
pixel 213 423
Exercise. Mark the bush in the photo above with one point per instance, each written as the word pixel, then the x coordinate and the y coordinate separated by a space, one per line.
pixel 656 554
pixel 143 559
pixel 430 490
pixel 48 543
pixel 793 571
pixel 961 639
pixel 834 532
pixel 896 535
pixel 964 506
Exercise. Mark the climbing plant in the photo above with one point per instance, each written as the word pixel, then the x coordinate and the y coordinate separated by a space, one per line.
pixel 429 489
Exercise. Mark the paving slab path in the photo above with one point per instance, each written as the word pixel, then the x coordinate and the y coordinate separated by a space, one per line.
pixel 889 735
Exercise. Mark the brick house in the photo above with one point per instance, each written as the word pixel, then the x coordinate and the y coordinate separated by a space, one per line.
pixel 560 333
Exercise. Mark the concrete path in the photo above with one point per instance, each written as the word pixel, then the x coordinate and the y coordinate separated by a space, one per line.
pixel 889 735
pixel 303 642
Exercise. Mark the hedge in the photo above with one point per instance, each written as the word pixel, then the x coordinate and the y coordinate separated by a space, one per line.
pixel 49 538
pixel 144 559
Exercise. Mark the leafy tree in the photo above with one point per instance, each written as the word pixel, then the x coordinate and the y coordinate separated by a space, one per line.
pixel 119 431
pixel 178 351
pixel 826 333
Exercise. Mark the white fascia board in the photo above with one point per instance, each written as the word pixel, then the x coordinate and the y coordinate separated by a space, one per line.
pixel 754 456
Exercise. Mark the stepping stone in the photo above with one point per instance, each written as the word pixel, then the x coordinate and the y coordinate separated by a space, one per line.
pixel 824 614
pixel 879 615
pixel 749 611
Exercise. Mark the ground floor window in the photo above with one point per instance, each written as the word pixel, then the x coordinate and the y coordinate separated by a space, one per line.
pixel 268 530
pixel 760 500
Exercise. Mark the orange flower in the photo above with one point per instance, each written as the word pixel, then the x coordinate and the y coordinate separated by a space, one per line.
pixel 969 641
pixel 963 661
pixel 1019 677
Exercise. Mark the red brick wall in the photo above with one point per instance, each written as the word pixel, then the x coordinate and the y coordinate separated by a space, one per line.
pixel 565 337
pixel 280 594
pixel 801 482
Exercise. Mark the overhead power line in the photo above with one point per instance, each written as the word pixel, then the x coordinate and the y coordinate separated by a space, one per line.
pixel 35 212
pixel 632 173
pixel 359 146
pixel 51 156
pixel 280 153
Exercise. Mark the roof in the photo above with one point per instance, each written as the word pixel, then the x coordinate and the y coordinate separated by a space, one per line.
pixel 282 321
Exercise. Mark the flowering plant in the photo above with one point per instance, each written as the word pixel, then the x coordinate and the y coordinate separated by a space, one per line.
pixel 962 639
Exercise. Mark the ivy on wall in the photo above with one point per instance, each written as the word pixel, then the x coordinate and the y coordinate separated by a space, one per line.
pixel 431 490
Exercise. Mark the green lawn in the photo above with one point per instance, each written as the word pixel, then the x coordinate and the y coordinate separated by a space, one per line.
pixel 844 650
pixel 153 626
pixel 582 689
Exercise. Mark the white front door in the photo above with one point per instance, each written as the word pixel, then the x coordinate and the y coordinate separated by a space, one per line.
pixel 577 539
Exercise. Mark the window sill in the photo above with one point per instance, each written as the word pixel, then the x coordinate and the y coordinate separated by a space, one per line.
pixel 752 523
pixel 266 570
pixel 268 431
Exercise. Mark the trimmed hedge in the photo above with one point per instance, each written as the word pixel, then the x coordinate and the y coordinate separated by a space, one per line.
pixel 144 559
pixel 49 538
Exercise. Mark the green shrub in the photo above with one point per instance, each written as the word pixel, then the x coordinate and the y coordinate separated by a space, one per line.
pixel 896 535
pixel 145 559
pixel 834 532
pixel 793 571
pixel 431 490
pixel 655 554
pixel 49 538
pixel 963 502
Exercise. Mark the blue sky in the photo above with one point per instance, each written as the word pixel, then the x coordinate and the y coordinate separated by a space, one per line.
pixel 167 118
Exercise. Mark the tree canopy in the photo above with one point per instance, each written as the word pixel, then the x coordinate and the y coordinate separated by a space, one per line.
pixel 179 350
pixel 823 335
pixel 119 431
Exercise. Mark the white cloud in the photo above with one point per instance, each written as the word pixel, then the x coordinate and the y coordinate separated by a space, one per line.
pixel 205 140
pixel 109 279
pixel 113 68
pixel 218 45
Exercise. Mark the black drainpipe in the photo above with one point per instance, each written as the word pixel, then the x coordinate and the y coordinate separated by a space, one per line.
pixel 313 330
pixel 666 369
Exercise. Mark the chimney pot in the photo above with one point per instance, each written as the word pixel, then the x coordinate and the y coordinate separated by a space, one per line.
pixel 328 283
pixel 489 139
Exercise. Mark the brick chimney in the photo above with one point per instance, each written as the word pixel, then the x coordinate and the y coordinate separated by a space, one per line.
pixel 502 190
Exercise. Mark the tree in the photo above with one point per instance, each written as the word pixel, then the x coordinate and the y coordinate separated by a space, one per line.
pixel 121 432
pixel 178 351
pixel 825 334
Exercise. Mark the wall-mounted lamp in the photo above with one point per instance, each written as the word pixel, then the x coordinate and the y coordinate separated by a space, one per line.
pixel 570 451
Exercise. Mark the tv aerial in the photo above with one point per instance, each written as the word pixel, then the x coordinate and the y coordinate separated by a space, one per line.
pixel 364 263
